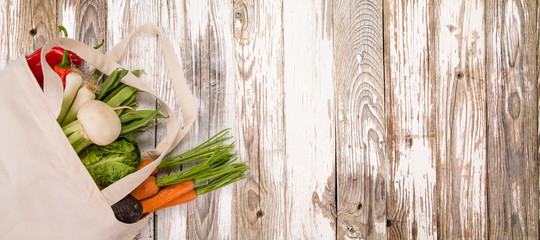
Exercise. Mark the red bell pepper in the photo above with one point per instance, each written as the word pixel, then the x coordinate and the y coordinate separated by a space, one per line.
pixel 58 58
pixel 64 67
pixel 53 58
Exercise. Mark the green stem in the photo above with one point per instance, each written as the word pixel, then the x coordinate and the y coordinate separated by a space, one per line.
pixel 100 44
pixel 201 152
pixel 70 127
pixel 211 165
pixel 218 171
pixel 221 182
pixel 65 61
pixel 76 137
pixel 137 72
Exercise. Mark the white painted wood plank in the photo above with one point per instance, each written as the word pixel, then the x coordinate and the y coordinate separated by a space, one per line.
pixel 259 60
pixel 224 114
pixel 171 223
pixel 360 130
pixel 309 120
pixel 511 44
pixel 206 43
pixel 123 17
pixel 19 22
pixel 411 128
pixel 4 34
pixel 197 73
pixel 44 22
pixel 458 59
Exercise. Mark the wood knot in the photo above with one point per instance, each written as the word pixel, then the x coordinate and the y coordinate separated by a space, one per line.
pixel 408 141
pixel 460 75
pixel 451 28
pixel 253 199
pixel 359 207
pixel 32 31
pixel 388 223
pixel 240 15
pixel 241 30
pixel 514 105
pixel 260 214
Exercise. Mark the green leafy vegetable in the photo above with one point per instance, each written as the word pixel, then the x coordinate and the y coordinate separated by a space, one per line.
pixel 108 164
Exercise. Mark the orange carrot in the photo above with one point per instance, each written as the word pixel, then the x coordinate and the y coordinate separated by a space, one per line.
pixel 147 189
pixel 193 193
pixel 166 194
pixel 146 162
pixel 184 198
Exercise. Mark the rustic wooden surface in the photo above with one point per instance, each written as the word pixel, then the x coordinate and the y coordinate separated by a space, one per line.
pixel 370 119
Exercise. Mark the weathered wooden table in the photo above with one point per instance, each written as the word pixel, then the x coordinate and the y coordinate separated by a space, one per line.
pixel 360 119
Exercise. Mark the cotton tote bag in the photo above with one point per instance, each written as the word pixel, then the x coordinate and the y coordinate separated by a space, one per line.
pixel 45 191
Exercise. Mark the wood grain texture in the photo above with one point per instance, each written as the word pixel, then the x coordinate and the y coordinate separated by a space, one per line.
pixel 360 129
pixel 85 21
pixel 457 57
pixel 43 21
pixel 4 34
pixel 92 23
pixel 247 26
pixel 360 119
pixel 123 17
pixel 208 47
pixel 171 223
pixel 198 73
pixel 18 24
pixel 259 54
pixel 309 120
pixel 511 41
pixel 212 215
pixel 410 104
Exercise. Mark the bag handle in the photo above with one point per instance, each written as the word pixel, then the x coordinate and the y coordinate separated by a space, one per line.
pixel 174 65
pixel 53 94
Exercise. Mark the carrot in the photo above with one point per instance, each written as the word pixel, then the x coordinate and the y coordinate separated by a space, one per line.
pixel 184 198
pixel 146 162
pixel 224 180
pixel 147 189
pixel 212 152
pixel 179 188
pixel 166 194
pixel 216 165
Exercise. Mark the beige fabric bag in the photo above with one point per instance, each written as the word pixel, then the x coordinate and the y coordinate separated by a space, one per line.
pixel 46 193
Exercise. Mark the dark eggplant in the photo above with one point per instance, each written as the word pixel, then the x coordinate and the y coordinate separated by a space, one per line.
pixel 128 210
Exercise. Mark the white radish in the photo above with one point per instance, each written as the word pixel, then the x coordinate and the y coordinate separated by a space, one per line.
pixel 74 81
pixel 84 95
pixel 100 122
pixel 97 123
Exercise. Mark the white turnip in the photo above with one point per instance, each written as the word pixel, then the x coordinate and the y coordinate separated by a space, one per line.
pixel 97 123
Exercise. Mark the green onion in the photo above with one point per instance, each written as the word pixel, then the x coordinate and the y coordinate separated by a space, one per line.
pixel 202 152
pixel 218 164
pixel 222 181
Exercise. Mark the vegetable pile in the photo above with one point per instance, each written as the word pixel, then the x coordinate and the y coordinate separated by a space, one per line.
pixel 98 116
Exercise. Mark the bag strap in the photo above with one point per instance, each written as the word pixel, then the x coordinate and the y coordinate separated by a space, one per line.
pixel 53 94
pixel 174 65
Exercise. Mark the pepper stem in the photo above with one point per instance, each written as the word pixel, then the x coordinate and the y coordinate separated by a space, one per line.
pixel 100 44
pixel 65 61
